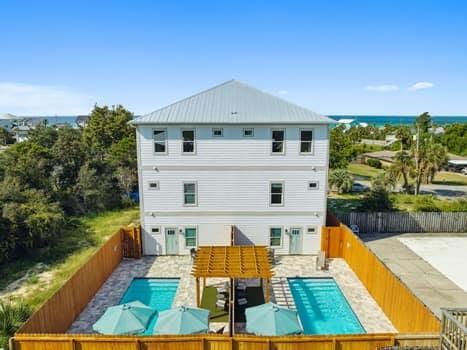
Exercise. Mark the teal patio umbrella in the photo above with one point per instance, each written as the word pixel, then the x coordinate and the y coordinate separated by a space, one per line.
pixel 271 319
pixel 182 320
pixel 130 318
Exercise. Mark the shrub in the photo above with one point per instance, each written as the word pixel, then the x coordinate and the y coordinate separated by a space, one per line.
pixel 375 163
pixel 425 203
pixel 376 200
pixel 12 316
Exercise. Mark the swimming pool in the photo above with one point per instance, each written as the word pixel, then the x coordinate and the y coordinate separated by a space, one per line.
pixel 158 293
pixel 322 307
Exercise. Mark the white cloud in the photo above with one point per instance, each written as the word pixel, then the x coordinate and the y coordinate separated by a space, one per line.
pixel 382 88
pixel 282 92
pixel 29 99
pixel 421 85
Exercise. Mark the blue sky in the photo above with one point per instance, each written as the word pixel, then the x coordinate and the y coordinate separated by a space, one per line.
pixel 335 57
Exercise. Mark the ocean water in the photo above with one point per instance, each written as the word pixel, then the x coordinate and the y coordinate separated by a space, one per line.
pixel 322 307
pixel 378 120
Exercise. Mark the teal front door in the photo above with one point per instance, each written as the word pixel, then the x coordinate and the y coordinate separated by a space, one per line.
pixel 295 241
pixel 171 241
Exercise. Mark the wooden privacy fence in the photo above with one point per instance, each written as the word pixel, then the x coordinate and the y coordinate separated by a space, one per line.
pixel 404 309
pixel 131 242
pixel 58 313
pixel 200 342
pixel 405 222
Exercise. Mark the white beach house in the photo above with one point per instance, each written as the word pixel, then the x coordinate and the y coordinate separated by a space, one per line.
pixel 232 155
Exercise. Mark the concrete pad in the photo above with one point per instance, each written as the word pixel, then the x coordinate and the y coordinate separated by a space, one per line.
pixel 446 254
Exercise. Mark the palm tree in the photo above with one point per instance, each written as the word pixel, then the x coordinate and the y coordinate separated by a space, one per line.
pixel 340 180
pixel 402 166
pixel 436 158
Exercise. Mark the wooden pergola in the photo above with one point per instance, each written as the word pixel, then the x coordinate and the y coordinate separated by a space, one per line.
pixel 232 262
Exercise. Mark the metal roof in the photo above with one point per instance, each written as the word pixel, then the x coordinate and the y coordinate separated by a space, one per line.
pixel 232 102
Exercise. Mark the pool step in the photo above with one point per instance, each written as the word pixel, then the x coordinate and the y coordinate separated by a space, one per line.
pixel 281 293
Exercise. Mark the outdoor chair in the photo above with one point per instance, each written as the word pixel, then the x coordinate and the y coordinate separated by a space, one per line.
pixel 221 296
pixel 224 289
pixel 220 330
pixel 241 286
pixel 242 301
pixel 221 304
pixel 355 229
pixel 192 254
pixel 321 263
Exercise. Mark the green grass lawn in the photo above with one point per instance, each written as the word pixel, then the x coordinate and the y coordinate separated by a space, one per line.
pixel 450 178
pixel 64 256
pixel 363 171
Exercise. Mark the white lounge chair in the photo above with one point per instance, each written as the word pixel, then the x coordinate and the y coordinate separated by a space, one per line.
pixel 242 301
pixel 221 304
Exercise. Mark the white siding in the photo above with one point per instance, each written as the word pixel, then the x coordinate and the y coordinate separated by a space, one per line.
pixel 233 175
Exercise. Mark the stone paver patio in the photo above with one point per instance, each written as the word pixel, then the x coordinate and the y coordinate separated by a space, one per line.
pixel 369 313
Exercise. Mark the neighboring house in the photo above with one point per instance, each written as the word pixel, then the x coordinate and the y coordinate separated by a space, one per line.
pixel 232 155
pixel 82 120
pixel 21 132
pixel 348 123
pixel 385 157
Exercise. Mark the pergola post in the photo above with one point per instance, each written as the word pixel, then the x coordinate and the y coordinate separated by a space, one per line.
pixel 198 299
pixel 267 290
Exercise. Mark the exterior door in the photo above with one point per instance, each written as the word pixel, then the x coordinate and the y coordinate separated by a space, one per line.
pixel 171 241
pixel 295 241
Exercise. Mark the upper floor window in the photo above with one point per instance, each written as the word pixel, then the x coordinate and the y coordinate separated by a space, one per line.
pixel 189 193
pixel 160 140
pixel 306 141
pixel 217 132
pixel 189 143
pixel 278 143
pixel 277 193
pixel 248 132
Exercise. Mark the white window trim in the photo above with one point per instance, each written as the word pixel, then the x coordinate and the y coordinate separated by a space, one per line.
pixel 194 141
pixel 311 226
pixel 284 143
pixel 282 197
pixel 312 142
pixel 166 142
pixel 313 182
pixel 155 226
pixel 196 194
pixel 222 132
pixel 282 237
pixel 252 132
pixel 152 188
pixel 196 236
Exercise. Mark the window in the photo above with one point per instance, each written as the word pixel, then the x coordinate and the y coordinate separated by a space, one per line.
pixel 275 236
pixel 306 141
pixel 154 185
pixel 277 193
pixel 188 137
pixel 217 132
pixel 155 230
pixel 312 185
pixel 278 137
pixel 311 229
pixel 189 193
pixel 190 237
pixel 248 132
pixel 160 140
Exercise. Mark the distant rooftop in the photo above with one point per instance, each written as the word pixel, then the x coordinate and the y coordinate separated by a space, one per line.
pixel 233 102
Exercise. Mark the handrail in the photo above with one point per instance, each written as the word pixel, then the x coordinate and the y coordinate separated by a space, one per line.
pixel 447 312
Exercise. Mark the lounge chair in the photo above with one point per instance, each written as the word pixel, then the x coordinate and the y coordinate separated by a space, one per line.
pixel 221 296
pixel 242 301
pixel 355 229
pixel 224 289
pixel 221 304
pixel 220 330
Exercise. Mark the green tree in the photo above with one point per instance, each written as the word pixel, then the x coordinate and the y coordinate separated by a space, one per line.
pixel 107 126
pixel 340 180
pixel 377 199
pixel 6 138
pixel 455 138
pixel 437 158
pixel 340 149
pixel 43 136
pixel 402 167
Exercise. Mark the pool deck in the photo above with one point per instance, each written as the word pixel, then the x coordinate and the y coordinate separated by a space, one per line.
pixel 368 312
pixel 431 286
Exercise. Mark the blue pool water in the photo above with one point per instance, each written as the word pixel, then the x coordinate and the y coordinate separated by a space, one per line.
pixel 322 307
pixel 157 293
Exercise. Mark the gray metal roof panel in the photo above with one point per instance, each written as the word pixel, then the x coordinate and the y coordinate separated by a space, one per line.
pixel 232 102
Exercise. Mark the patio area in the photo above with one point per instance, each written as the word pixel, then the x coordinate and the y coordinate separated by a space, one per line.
pixel 368 312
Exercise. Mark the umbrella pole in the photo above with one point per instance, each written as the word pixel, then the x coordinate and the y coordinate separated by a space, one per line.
pixel 198 299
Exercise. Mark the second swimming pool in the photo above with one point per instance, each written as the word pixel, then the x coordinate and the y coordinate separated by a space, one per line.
pixel 322 307
pixel 158 293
